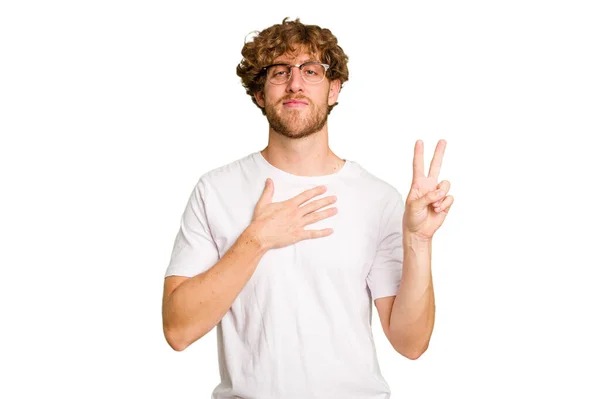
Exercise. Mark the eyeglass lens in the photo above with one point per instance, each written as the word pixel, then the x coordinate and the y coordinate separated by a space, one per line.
pixel 311 72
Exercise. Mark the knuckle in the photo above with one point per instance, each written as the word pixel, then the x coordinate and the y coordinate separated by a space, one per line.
pixel 310 218
pixel 306 234
pixel 295 213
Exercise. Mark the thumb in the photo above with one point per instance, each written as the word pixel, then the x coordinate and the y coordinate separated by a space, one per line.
pixel 267 195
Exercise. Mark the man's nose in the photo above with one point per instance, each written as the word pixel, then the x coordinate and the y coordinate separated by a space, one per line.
pixel 296 83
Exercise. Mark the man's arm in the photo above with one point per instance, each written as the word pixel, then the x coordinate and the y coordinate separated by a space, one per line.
pixel 193 306
pixel 408 318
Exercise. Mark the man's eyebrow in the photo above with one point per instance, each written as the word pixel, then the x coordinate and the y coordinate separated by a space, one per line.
pixel 300 63
pixel 310 60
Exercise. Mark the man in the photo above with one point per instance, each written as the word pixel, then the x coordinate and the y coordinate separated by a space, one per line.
pixel 284 249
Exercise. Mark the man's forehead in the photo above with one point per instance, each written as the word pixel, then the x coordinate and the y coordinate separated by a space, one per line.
pixel 299 56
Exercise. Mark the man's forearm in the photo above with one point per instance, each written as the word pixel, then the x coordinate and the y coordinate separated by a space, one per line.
pixel 198 304
pixel 413 312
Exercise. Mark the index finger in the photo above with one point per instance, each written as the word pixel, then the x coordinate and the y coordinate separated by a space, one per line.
pixel 306 195
pixel 418 168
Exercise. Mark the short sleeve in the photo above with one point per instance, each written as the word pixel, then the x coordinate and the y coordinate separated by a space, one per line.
pixel 385 273
pixel 194 250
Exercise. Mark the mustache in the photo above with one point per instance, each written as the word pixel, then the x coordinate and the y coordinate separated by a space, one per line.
pixel 297 98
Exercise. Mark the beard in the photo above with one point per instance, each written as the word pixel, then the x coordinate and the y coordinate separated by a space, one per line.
pixel 296 123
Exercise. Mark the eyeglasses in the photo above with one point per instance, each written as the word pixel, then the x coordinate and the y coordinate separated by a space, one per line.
pixel 311 72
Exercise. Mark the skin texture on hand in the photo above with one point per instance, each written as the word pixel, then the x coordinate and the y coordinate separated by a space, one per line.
pixel 278 224
pixel 427 204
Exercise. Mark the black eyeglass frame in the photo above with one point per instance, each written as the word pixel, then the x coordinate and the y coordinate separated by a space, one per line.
pixel 299 66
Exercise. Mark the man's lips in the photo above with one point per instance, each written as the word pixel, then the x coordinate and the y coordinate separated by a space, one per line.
pixel 295 103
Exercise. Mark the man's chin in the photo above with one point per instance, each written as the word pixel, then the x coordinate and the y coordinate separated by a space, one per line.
pixel 295 125
pixel 293 134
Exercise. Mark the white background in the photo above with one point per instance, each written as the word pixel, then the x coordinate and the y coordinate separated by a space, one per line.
pixel 110 111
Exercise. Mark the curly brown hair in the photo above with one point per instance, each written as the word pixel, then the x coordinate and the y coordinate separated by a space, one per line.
pixel 285 38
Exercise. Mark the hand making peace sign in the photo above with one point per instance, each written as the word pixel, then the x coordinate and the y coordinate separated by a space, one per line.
pixel 427 204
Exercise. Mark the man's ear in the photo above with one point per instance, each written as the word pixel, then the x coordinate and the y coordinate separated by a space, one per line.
pixel 259 96
pixel 334 90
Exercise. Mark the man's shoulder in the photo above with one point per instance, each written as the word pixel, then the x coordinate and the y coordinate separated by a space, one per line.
pixel 373 183
pixel 228 173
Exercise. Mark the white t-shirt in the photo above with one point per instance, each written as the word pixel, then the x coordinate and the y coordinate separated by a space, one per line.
pixel 301 327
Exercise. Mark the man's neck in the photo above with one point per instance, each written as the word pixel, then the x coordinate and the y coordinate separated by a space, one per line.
pixel 308 156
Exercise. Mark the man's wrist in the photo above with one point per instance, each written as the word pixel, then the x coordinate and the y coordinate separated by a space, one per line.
pixel 417 255
pixel 252 234
pixel 416 242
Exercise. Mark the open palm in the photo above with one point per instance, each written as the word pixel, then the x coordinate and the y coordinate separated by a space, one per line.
pixel 427 204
